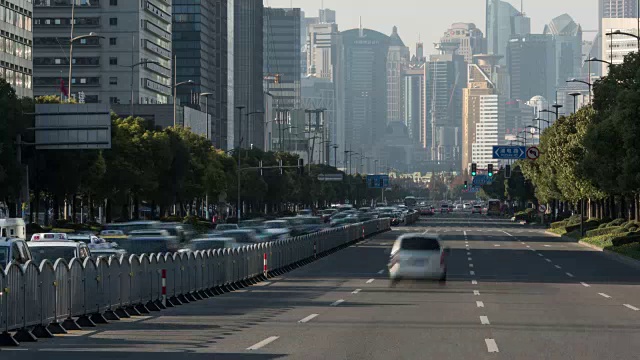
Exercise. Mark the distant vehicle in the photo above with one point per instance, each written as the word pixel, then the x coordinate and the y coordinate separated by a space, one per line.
pixel 150 241
pixel 128 227
pixel 494 208
pixel 326 214
pixel 410 201
pixel 62 249
pixel 278 229
pixel 427 211
pixel 212 243
pixel 106 250
pixel 13 228
pixel 242 236
pixel 418 256
pixel 13 250
pixel 466 206
pixel 305 212
pixel 458 208
pixel 49 237
pixel 445 209
pixel 477 209
pixel 308 224
pixel 223 227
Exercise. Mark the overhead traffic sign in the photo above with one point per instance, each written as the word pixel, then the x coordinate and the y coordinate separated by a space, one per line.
pixel 330 177
pixel 533 153
pixel 377 181
pixel 509 152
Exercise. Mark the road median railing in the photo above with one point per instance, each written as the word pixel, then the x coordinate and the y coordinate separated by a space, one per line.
pixel 38 301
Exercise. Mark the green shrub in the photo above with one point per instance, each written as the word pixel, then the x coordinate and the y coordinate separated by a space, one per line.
pixel 616 222
pixel 631 250
pixel 559 224
pixel 602 226
pixel 627 239
pixel 605 231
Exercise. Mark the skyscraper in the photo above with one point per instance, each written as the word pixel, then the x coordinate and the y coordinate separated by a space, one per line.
pixel 413 86
pixel 617 8
pixel 16 66
pixel 616 47
pixel 397 62
pixel 567 36
pixel 101 71
pixel 319 55
pixel 469 39
pixel 203 45
pixel 248 67
pixel 532 67
pixel 503 22
pixel 282 55
pixel 489 130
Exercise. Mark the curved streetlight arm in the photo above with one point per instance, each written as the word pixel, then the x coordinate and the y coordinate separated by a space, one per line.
pixel 599 60
pixel 579 81
pixel 541 119
pixel 618 32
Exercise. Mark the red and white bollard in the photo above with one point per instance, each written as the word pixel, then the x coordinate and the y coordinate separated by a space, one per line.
pixel 363 233
pixel 264 263
pixel 164 287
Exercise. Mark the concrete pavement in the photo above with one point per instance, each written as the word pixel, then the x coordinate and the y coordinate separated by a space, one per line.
pixel 513 293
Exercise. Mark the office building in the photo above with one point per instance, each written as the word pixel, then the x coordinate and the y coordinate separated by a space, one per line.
pixel 504 22
pixel 413 114
pixel 318 93
pixel 397 61
pixel 102 70
pixel 567 36
pixel 321 39
pixel 617 8
pixel 532 66
pixel 616 47
pixel 248 67
pixel 479 84
pixel 469 39
pixel 446 77
pixel 489 130
pixel 16 57
pixel 282 56
pixel 362 83
pixel 327 16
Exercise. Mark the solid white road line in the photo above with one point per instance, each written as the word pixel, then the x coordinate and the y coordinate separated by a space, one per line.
pixel 472 272
pixel 356 291
pixel 604 295
pixel 484 320
pixel 585 284
pixel 491 345
pixel 558 267
pixel 547 245
pixel 370 281
pixel 474 282
pixel 569 274
pixel 308 318
pixel 479 304
pixel 263 343
pixel 476 292
pixel 338 302
pixel 547 260
pixel 631 307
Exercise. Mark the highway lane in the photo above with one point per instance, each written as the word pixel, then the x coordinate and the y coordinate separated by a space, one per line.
pixel 513 293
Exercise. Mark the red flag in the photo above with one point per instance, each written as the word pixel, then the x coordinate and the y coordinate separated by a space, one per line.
pixel 63 89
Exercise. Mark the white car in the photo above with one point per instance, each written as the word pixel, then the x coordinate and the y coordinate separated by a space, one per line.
pixel 49 237
pixel 278 229
pixel 62 249
pixel 418 256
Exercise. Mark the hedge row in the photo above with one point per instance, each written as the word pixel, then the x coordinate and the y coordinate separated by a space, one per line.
pixel 606 231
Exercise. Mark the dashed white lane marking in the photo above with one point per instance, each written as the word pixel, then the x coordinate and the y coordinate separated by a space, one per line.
pixel 604 295
pixel 474 282
pixel 468 253
pixel 528 246
pixel 338 302
pixel 547 245
pixel 522 243
pixel 631 307
pixel 479 304
pixel 558 266
pixel 381 271
pixel 370 281
pixel 540 254
pixel 469 258
pixel 547 260
pixel 308 318
pixel 465 233
pixel 476 292
pixel 497 245
pixel 263 343
pixel 472 272
pixel 264 283
pixel 80 333
pixel 356 291
pixel 491 345
pixel 507 233
pixel 569 274
pixel 484 320
pixel 585 284
pixel 470 265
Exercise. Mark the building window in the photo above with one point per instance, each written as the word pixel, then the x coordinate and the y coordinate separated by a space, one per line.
pixel 114 100
pixel 113 41
pixel 113 2
pixel 113 80
pixel 113 61
pixel 113 21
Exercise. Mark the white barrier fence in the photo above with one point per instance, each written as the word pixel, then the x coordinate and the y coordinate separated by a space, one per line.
pixel 38 300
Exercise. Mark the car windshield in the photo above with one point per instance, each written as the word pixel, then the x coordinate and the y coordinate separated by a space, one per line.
pixel 4 257
pixel 52 253
pixel 419 243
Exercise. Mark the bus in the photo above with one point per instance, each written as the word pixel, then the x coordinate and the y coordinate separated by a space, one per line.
pixel 410 202
pixel 494 208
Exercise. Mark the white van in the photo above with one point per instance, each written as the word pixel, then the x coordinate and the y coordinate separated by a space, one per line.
pixel 13 228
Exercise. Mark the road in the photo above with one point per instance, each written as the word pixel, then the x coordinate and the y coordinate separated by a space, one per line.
pixel 513 293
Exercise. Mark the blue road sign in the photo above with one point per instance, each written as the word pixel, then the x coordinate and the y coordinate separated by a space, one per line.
pixel 377 181
pixel 509 152
pixel 482 180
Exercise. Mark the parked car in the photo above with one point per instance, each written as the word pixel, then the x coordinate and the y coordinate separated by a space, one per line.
pixel 467 206
pixel 418 256
pixel 60 249
pixel 427 211
pixel 13 250
pixel 477 209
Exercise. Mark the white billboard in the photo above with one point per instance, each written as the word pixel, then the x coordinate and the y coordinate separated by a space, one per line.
pixel 72 126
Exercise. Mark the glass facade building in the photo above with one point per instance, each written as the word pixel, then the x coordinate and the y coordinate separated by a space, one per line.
pixel 282 55
pixel 503 22
pixel 16 45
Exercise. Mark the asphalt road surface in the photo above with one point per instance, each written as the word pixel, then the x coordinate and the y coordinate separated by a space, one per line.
pixel 513 293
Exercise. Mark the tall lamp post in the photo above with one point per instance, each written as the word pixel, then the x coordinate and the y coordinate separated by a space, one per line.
pixel 335 155
pixel 240 139
pixel 91 35
pixel 132 67
pixel 618 32
pixel 175 95
pixel 376 166
pixel 575 100
pixel 249 137
pixel 588 83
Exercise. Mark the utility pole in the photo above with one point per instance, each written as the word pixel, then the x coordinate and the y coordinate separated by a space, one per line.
pixel 239 205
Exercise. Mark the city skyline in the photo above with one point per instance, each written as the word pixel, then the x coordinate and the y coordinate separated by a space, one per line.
pixel 381 17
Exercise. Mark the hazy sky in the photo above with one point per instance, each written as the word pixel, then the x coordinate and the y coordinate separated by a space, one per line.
pixel 430 18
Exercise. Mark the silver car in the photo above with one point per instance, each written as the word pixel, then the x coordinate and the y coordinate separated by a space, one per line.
pixel 418 256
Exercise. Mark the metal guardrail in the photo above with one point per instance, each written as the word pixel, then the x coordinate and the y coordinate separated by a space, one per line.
pixel 51 298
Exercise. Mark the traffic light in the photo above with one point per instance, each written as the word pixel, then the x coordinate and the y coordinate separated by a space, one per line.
pixel 466 184
pixel 490 170
pixel 507 172
pixel 301 167
pixel 381 183
pixel 474 169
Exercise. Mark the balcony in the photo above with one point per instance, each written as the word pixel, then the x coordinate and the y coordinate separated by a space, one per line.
pixel 65 3
pixel 158 69
pixel 157 87
pixel 155 29
pixel 159 50
pixel 158 12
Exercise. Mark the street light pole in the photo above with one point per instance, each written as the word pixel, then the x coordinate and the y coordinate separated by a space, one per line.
pixel 239 204
pixel 575 101
pixel 73 40
pixel 133 66
pixel 335 156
